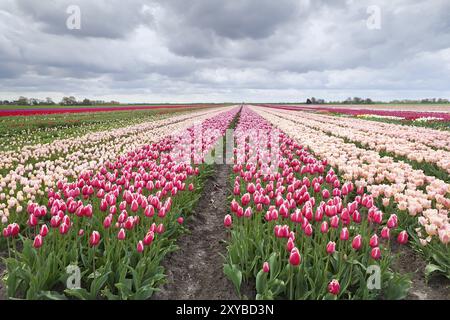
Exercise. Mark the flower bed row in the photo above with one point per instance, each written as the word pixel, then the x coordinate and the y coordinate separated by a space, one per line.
pixel 412 143
pixel 35 169
pixel 298 230
pixel 112 226
pixel 396 186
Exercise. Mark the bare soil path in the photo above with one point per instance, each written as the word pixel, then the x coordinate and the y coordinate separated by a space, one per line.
pixel 195 271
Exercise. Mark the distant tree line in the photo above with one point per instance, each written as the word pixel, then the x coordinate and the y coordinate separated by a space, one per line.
pixel 65 101
pixel 358 100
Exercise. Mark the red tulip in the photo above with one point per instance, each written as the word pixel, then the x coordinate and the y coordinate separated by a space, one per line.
pixel 308 230
pixel 134 206
pixel 374 241
pixel 334 222
pixel 107 222
pixel 266 267
pixel 160 229
pixel 334 287
pixel 44 230
pixel 392 221
pixel 63 228
pixel 294 257
pixel 385 233
pixel 331 247
pixel 357 242
pixel 38 241
pixel 376 253
pixel 344 234
pixel 94 239
pixel 81 232
pixel 14 229
pixel 140 247
pixel 290 245
pixel 121 235
pixel 180 220
pixel 6 232
pixel 324 227
pixel 245 199
pixel 227 221
pixel 148 239
pixel 251 188
pixel 32 220
pixel 191 187
pixel 402 237
pixel 248 212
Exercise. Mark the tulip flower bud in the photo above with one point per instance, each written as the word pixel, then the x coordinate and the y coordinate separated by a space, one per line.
pixel 334 287
pixel 324 227
pixel 294 257
pixel 140 247
pixel 344 235
pixel 121 235
pixel 376 253
pixel 374 241
pixel 44 230
pixel 38 241
pixel 308 230
pixel 94 239
pixel 357 242
pixel 331 247
pixel 64 228
pixel 402 237
pixel 227 221
pixel 149 237
pixel 385 233
pixel 180 220
pixel 266 267
pixel 290 245
pixel 14 229
pixel 107 222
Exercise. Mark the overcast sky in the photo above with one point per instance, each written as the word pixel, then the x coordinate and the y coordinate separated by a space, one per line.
pixel 225 50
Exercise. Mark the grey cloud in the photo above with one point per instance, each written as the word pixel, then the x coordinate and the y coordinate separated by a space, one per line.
pixel 226 50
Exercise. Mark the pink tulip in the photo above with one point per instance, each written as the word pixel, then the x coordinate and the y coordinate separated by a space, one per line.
pixel 385 234
pixel 344 235
pixel 374 241
pixel 121 235
pixel 266 267
pixel 94 239
pixel 331 247
pixel 227 221
pixel 44 230
pixel 357 242
pixel 376 253
pixel 149 237
pixel 140 247
pixel 38 241
pixel 334 287
pixel 294 257
pixel 402 237
pixel 324 227
pixel 308 230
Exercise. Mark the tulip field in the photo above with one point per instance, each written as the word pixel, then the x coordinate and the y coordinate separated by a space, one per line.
pixel 101 205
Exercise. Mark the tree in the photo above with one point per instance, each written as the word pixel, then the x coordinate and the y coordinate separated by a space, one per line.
pixel 49 101
pixel 22 101
pixel 69 101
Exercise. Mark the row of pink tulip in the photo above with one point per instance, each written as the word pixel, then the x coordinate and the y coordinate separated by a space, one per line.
pixel 384 177
pixel 38 168
pixel 116 222
pixel 417 144
pixel 295 226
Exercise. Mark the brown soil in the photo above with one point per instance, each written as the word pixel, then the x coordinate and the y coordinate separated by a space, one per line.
pixel 195 271
pixel 409 261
